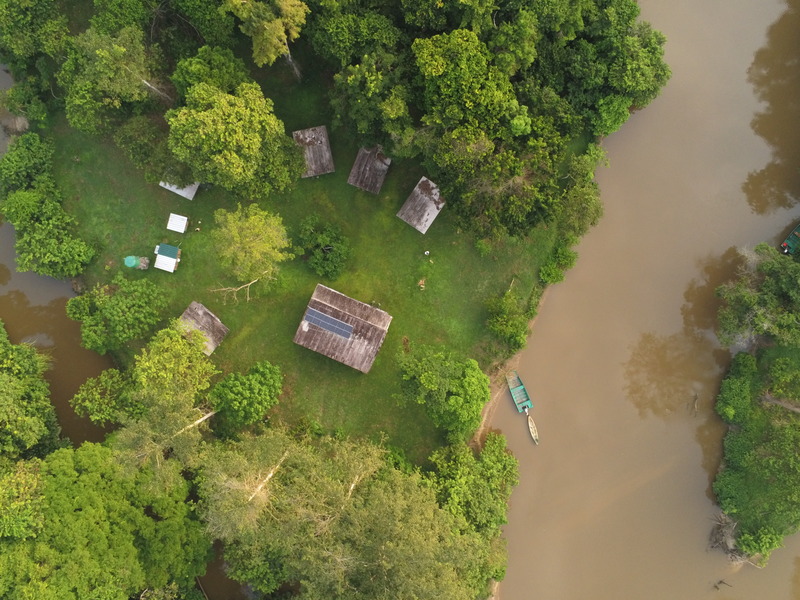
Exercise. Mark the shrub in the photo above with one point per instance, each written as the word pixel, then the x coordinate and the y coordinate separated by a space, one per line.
pixel 28 158
pixel 508 320
pixel 326 248
pixel 244 399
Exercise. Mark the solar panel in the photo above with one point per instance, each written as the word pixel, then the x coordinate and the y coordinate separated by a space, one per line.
pixel 328 323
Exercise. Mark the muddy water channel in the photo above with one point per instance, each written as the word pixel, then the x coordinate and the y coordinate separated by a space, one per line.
pixel 615 503
pixel 32 309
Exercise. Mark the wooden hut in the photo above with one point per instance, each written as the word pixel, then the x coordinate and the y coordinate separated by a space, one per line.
pixel 341 328
pixel 317 150
pixel 198 317
pixel 369 170
pixel 422 206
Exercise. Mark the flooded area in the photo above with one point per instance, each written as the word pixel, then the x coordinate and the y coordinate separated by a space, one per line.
pixel 623 364
pixel 32 308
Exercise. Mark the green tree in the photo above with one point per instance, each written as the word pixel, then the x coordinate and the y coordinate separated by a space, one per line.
pixel 508 320
pixel 374 97
pixel 763 300
pixel 453 391
pixel 28 425
pixel 242 400
pixel 475 488
pixel 111 16
pixel 234 140
pixel 113 314
pixel 251 243
pixel 271 25
pixel 102 535
pixel 30 27
pixel 105 73
pixel 106 398
pixel 164 430
pixel 144 139
pixel 21 502
pixel 215 66
pixel 326 248
pixel 29 157
pixel 215 27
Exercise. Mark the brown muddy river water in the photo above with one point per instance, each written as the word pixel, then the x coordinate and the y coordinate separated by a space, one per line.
pixel 615 504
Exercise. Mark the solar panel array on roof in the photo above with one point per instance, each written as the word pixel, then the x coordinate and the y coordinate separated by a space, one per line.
pixel 328 323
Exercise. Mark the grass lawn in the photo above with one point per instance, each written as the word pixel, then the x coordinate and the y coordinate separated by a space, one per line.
pixel 123 215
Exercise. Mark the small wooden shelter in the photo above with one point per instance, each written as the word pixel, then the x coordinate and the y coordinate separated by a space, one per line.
pixel 187 192
pixel 422 206
pixel 317 150
pixel 346 330
pixel 369 170
pixel 198 317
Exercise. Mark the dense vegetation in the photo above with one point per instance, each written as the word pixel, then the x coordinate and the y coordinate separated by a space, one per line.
pixel 501 104
pixel 758 485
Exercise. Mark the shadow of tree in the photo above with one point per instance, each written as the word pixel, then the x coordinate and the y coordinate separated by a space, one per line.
pixel 775 75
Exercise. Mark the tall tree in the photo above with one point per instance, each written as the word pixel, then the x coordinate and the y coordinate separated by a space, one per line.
pixel 167 381
pixel 271 25
pixel 102 535
pixel 28 425
pixel 29 27
pixel 452 390
pixel 475 488
pixel 763 300
pixel 251 243
pixel 105 73
pixel 234 140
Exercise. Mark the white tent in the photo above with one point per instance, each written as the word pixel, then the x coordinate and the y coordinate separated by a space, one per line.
pixel 187 192
pixel 177 223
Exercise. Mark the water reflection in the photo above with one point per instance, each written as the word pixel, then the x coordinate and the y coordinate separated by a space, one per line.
pixel 699 311
pixel 775 76
pixel 668 374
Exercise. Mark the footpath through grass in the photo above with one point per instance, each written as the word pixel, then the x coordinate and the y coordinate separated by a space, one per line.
pixel 122 215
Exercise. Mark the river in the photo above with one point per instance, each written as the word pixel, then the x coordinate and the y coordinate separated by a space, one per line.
pixel 615 503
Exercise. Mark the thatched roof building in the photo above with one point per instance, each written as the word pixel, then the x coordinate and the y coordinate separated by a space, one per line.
pixel 422 206
pixel 341 328
pixel 198 317
pixel 317 150
pixel 369 170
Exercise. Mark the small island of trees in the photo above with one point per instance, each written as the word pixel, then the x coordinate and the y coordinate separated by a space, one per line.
pixel 316 481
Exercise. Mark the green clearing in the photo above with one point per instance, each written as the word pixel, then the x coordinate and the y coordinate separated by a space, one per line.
pixel 122 215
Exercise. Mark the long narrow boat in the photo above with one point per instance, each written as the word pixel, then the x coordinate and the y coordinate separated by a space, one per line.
pixel 519 394
pixel 533 430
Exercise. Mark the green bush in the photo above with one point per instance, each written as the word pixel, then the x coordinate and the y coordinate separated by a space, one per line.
pixel 244 399
pixel 508 320
pixel 326 248
pixel 735 399
pixel 114 314
pixel 28 158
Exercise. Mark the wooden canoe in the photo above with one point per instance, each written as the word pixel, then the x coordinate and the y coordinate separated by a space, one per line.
pixel 534 432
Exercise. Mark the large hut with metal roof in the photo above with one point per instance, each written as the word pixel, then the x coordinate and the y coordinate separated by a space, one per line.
pixel 348 331
pixel 422 206
pixel 316 150
pixel 369 170
pixel 198 317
